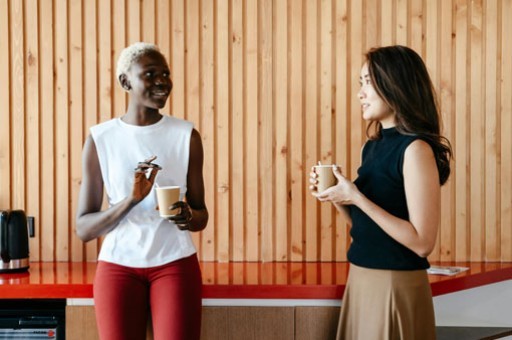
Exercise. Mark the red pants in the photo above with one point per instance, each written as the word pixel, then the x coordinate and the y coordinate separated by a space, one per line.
pixel 123 297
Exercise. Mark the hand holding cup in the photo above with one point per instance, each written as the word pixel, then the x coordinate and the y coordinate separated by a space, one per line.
pixel 322 177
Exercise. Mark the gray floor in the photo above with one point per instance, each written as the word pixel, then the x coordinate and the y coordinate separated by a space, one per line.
pixel 473 333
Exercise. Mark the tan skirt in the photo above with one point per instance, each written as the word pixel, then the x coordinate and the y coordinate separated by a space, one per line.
pixel 386 304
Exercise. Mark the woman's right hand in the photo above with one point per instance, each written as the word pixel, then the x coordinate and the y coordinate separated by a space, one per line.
pixel 341 193
pixel 142 184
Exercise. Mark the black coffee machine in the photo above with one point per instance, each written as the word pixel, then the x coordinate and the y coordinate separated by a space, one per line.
pixel 14 255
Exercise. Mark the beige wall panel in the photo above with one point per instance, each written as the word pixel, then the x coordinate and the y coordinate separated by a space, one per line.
pixel 316 322
pixel 272 88
pixel 255 323
pixel 215 323
pixel 81 323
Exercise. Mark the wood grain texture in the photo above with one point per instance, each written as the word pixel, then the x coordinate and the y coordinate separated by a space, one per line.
pixel 272 88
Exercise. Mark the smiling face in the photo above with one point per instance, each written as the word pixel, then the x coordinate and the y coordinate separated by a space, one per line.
pixel 148 81
pixel 373 106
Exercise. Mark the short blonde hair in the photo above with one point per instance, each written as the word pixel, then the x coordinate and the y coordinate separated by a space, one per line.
pixel 131 54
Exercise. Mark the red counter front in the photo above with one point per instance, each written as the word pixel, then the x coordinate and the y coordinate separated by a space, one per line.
pixel 286 280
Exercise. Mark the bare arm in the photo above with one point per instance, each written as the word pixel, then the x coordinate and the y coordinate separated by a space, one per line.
pixel 91 222
pixel 193 215
pixel 422 190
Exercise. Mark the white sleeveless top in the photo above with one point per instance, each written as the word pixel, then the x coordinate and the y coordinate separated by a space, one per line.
pixel 142 238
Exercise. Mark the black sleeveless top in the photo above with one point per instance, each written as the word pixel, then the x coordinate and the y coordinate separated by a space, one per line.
pixel 380 179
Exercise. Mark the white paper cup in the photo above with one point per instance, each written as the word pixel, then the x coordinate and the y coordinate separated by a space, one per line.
pixel 326 178
pixel 166 197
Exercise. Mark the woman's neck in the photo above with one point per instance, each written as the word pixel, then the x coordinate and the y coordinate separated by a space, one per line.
pixel 142 117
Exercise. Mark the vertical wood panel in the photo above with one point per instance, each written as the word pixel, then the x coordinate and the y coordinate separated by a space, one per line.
pixel 387 16
pixel 237 132
pixel 90 107
pixel 208 121
pixel 272 88
pixel 62 198
pixel 266 131
pixel 402 15
pixel 223 190
pixel 297 168
pixel 447 227
pixel 192 76
pixel 75 117
pixel 177 61
pixel 505 135
pixel 326 124
pixel 163 33
pixel 133 21
pixel 252 113
pixel 17 108
pixel 371 15
pixel 147 25
pixel 281 11
pixel 32 125
pixel 431 58
pixel 492 229
pixel 477 122
pixel 105 61
pixel 415 37
pixel 5 108
pixel 312 156
pixel 47 219
pixel 461 139
pixel 118 43
pixel 357 50
pixel 341 115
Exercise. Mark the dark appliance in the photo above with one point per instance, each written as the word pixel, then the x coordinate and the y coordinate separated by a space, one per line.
pixel 32 319
pixel 13 241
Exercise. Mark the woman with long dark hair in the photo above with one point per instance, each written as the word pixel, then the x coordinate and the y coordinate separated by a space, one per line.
pixel 394 204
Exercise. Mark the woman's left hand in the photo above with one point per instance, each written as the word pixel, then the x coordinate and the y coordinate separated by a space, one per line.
pixel 182 219
pixel 341 193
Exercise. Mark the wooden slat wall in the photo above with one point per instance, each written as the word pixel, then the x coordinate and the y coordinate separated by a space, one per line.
pixel 272 87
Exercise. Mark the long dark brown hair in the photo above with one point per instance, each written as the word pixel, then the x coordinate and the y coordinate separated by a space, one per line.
pixel 401 79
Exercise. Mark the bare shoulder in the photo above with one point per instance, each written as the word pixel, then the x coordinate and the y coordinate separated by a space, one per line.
pixel 419 160
pixel 196 144
pixel 419 149
pixel 195 137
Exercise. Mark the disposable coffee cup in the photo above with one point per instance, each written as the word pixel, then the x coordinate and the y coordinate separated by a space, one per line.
pixel 166 197
pixel 325 177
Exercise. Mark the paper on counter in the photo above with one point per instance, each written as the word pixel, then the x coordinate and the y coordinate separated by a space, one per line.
pixel 440 270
